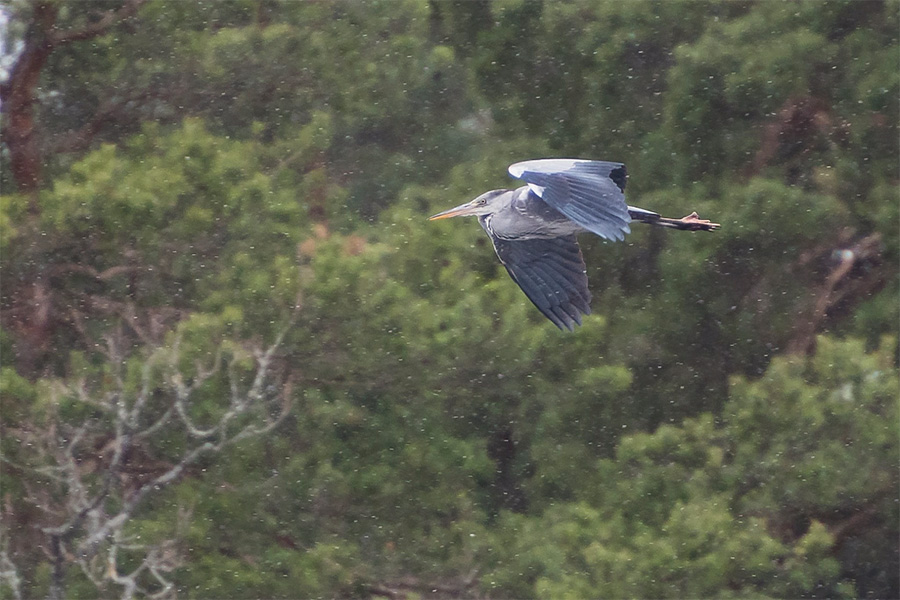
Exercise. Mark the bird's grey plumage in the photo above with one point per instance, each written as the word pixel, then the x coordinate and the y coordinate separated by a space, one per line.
pixel 520 214
pixel 591 193
pixel 533 227
pixel 552 274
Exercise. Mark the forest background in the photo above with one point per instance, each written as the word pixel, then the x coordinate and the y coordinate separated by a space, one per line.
pixel 239 363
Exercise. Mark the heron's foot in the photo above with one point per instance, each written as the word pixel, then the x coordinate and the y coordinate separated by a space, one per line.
pixel 693 222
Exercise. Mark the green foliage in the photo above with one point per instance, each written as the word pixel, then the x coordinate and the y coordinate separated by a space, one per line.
pixel 274 70
pixel 273 163
pixel 588 76
pixel 183 219
pixel 756 506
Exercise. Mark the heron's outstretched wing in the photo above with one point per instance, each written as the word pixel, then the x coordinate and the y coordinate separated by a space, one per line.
pixel 551 272
pixel 590 192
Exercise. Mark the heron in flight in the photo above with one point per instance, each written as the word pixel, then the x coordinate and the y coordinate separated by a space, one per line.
pixel 533 227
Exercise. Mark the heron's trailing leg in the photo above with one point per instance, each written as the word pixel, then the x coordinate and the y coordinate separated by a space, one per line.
pixel 692 222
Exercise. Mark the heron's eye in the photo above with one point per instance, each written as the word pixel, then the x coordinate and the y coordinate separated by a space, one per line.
pixel 483 201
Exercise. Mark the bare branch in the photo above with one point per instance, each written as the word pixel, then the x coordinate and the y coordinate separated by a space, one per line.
pixel 407 587
pixel 182 393
pixel 113 109
pixel 87 464
pixel 99 27
pixel 10 575
pixel 91 544
pixel 838 286
pixel 157 425
pixel 140 403
pixel 104 275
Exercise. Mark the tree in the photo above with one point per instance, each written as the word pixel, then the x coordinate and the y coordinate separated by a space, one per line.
pixel 110 436
pixel 213 171
pixel 158 385
pixel 18 93
pixel 775 501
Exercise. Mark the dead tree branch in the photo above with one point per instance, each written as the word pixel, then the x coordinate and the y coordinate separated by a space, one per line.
pixel 413 587
pixel 840 286
pixel 10 575
pixel 92 30
pixel 95 490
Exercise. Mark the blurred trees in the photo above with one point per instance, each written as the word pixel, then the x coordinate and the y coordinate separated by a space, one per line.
pixel 208 179
pixel 747 507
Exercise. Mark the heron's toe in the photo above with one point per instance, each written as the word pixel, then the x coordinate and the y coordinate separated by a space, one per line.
pixel 695 223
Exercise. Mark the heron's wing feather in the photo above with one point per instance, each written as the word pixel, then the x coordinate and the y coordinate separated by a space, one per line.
pixel 552 274
pixel 614 170
pixel 590 192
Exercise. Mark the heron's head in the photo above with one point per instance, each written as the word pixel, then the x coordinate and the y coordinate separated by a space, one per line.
pixel 485 204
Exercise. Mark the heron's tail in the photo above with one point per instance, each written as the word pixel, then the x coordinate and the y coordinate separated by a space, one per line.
pixel 692 222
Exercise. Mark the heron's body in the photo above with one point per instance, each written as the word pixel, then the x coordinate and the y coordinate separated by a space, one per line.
pixel 533 227
pixel 522 215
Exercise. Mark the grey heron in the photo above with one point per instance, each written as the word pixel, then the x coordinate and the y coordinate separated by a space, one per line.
pixel 533 227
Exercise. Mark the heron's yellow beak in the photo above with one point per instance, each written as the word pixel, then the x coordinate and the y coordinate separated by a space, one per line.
pixel 460 211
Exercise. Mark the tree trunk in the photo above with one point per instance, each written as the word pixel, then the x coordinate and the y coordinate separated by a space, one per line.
pixel 18 96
